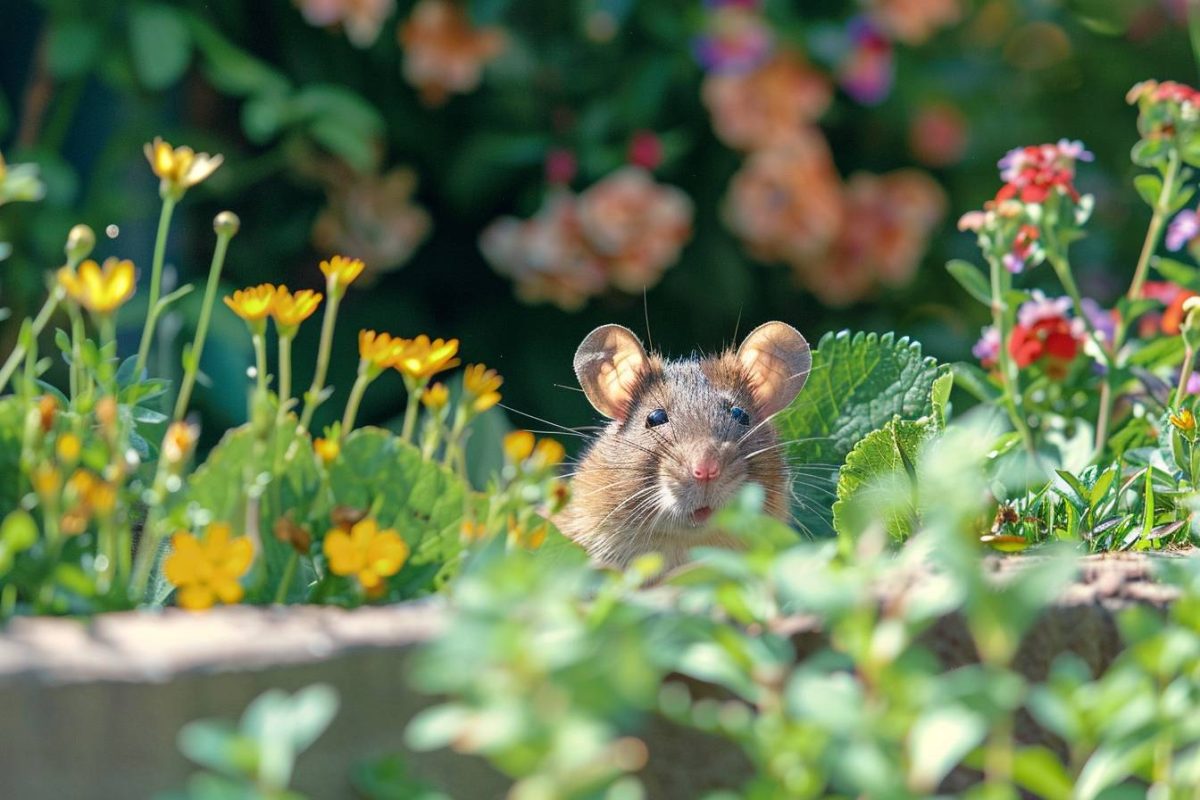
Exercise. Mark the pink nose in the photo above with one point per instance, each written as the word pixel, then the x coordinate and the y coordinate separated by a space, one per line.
pixel 706 469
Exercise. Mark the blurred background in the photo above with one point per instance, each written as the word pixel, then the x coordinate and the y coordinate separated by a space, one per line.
pixel 515 172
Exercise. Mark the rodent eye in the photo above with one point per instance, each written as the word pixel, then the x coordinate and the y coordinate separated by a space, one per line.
pixel 655 418
pixel 740 415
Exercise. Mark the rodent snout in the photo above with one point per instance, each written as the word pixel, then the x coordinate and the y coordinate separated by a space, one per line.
pixel 706 468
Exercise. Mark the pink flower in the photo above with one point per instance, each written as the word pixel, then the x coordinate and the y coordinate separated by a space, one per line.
pixel 913 22
pixel 372 217
pixel 362 19
pixel 645 150
pixel 866 71
pixel 987 349
pixel 635 225
pixel 444 53
pixel 736 38
pixel 1182 230
pixel 785 202
pixel 938 135
pixel 768 105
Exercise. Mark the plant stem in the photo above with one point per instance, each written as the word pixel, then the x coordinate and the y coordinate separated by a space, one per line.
pixel 77 334
pixel 312 397
pixel 160 249
pixel 285 582
pixel 1185 372
pixel 1193 16
pixel 1155 229
pixel 260 359
pixel 191 364
pixel 410 411
pixel 39 322
pixel 1008 374
pixel 356 395
pixel 285 376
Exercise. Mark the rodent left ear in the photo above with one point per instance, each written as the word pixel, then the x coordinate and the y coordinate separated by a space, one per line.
pixel 777 359
pixel 609 363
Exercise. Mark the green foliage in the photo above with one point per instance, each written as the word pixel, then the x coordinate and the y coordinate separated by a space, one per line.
pixel 858 383
pixel 255 759
pixel 422 500
pixel 878 480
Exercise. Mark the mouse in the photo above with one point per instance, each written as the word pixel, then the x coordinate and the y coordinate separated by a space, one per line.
pixel 683 437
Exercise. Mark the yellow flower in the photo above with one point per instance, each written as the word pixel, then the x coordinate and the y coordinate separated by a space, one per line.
pixel 179 168
pixel 379 349
pixel 290 309
pixel 47 410
pixel 47 481
pixel 208 571
pixel 481 384
pixel 327 449
pixel 254 303
pixel 422 358
pixel 1185 421
pixel 179 442
pixel 365 552
pixel 529 538
pixel 472 531
pixel 340 272
pixel 102 498
pixel 435 397
pixel 548 453
pixel 67 448
pixel 518 445
pixel 99 290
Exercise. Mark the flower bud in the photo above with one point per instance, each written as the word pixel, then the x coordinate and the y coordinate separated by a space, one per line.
pixel 227 224
pixel 80 242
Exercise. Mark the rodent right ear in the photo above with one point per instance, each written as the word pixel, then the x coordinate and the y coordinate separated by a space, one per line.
pixel 609 363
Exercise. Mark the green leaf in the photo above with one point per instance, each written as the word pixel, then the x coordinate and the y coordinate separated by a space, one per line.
pixel 11 428
pixel 939 740
pixel 878 480
pixel 1038 770
pixel 160 45
pixel 1176 271
pixel 970 277
pixel 857 384
pixel 72 47
pixel 230 69
pixel 1149 187
pixel 423 501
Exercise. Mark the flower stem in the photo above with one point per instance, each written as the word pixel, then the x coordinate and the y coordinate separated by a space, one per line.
pixel 1008 373
pixel 39 322
pixel 356 395
pixel 312 398
pixel 77 333
pixel 285 376
pixel 191 364
pixel 260 359
pixel 1185 373
pixel 1155 229
pixel 410 411
pixel 285 581
pixel 160 248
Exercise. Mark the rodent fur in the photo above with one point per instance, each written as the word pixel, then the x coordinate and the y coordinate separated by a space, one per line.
pixel 636 489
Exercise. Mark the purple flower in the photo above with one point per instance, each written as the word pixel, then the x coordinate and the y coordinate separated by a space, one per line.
pixel 1101 320
pixel 1182 230
pixel 736 39
pixel 987 349
pixel 1013 263
pixel 866 72
pixel 1040 307
pixel 1193 383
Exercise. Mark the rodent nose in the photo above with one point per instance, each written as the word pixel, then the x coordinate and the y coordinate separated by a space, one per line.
pixel 706 469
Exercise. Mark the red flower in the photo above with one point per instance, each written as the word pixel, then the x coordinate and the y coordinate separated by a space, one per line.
pixel 1053 341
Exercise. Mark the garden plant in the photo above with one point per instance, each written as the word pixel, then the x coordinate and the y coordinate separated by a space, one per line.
pixel 1071 434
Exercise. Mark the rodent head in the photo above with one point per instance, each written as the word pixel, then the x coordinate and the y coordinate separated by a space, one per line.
pixel 685 435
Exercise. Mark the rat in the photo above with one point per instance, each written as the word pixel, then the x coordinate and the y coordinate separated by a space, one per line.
pixel 684 436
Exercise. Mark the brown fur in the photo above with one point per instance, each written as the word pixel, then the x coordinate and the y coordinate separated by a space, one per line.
pixel 617 509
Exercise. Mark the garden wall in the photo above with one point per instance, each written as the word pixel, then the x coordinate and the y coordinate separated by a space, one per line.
pixel 90 709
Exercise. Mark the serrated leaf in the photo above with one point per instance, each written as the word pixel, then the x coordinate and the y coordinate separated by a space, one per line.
pixel 970 277
pixel 878 479
pixel 423 501
pixel 857 384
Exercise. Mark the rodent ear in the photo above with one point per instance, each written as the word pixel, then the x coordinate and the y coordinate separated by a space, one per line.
pixel 609 363
pixel 777 359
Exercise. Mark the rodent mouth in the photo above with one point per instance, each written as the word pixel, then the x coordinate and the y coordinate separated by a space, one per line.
pixel 701 515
